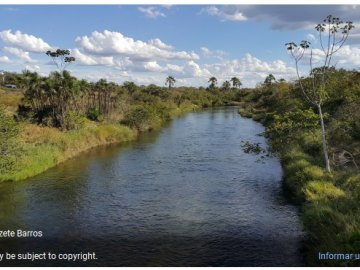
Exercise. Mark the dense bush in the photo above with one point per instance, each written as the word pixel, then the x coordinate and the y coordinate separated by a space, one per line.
pixel 9 131
pixel 330 202
pixel 138 118
pixel 93 113
pixel 73 121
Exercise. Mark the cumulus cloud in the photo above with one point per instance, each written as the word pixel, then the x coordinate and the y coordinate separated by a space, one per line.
pixel 206 52
pixel 225 14
pixel 114 43
pixel 26 42
pixel 348 56
pixel 4 59
pixel 20 54
pixel 250 69
pixel 152 66
pixel 88 60
pixel 159 44
pixel 32 68
pixel 151 12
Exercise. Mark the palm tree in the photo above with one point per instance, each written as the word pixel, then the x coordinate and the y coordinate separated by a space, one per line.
pixel 130 87
pixel 213 82
pixel 170 80
pixel 236 82
pixel 226 85
pixel 269 79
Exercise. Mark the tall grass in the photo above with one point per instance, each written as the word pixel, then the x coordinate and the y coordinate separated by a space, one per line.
pixel 44 147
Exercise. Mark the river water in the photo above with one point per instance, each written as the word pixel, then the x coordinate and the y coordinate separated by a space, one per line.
pixel 184 196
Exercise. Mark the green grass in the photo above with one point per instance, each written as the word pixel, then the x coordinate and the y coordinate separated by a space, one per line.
pixel 329 203
pixel 245 113
pixel 43 148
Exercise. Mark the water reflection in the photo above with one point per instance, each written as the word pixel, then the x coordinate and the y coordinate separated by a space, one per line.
pixel 184 196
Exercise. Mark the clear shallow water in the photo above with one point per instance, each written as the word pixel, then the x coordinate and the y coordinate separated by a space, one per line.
pixel 185 196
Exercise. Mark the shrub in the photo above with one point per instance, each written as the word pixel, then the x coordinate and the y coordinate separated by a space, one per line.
pixel 9 131
pixel 322 190
pixel 73 121
pixel 311 142
pixel 93 113
pixel 138 118
pixel 245 113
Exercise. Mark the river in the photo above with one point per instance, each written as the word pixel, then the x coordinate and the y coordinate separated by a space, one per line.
pixel 186 195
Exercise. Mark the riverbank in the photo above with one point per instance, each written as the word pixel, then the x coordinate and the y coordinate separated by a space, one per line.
pixel 41 148
pixel 329 202
pixel 40 130
pixel 183 188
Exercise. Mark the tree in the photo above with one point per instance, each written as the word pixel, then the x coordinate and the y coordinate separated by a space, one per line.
pixel 62 85
pixel 226 85
pixel 333 33
pixel 269 79
pixel 170 80
pixel 236 82
pixel 213 82
pixel 61 58
pixel 130 87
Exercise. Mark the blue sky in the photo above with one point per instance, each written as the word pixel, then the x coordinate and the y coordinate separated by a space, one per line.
pixel 146 43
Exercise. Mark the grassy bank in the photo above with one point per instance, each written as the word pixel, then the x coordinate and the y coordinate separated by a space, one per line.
pixel 329 202
pixel 42 147
pixel 31 144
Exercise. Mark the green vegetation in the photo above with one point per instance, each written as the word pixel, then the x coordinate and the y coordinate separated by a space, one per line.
pixel 333 34
pixel 330 208
pixel 51 119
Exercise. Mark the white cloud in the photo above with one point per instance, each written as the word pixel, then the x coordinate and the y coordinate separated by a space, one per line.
pixel 167 6
pixel 152 66
pixel 192 69
pixel 4 59
pixel 28 43
pixel 20 54
pixel 347 56
pixel 32 68
pixel 174 69
pixel 114 43
pixel 310 37
pixel 159 44
pixel 88 60
pixel 250 69
pixel 225 15
pixel 209 53
pixel 151 12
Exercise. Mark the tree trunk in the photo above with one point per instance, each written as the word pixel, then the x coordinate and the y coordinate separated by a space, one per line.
pixel 326 155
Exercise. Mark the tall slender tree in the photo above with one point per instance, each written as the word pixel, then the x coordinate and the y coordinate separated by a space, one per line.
pixel 269 79
pixel 333 34
pixel 62 84
pixel 170 80
pixel 226 85
pixel 213 82
pixel 236 82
